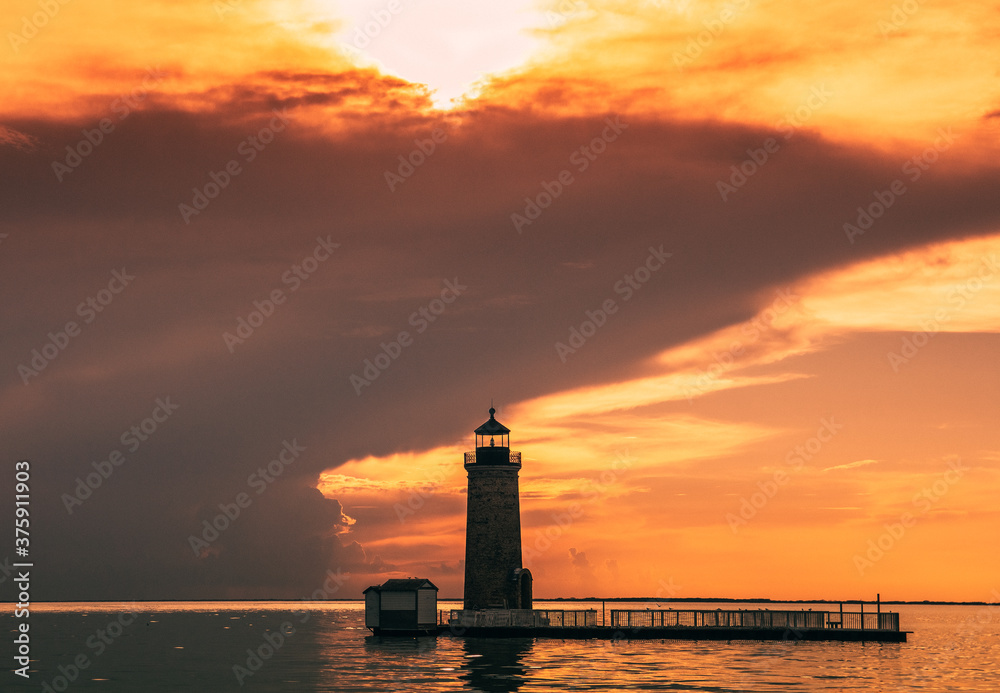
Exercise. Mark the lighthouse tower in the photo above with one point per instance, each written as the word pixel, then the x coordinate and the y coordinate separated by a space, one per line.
pixel 494 578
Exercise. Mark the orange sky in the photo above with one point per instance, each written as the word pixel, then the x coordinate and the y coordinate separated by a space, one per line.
pixel 790 387
pixel 675 470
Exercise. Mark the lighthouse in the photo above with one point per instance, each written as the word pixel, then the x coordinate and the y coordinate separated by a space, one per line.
pixel 494 577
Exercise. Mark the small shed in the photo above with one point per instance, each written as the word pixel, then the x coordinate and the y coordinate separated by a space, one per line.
pixel 404 606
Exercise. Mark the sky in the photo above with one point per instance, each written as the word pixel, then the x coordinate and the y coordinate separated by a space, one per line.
pixel 727 270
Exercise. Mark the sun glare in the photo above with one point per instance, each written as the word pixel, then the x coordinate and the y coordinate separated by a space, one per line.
pixel 446 44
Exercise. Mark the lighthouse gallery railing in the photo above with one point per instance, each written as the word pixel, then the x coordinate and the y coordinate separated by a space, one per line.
pixel 515 457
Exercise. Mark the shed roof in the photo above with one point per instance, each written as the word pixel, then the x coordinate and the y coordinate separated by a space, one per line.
pixel 403 585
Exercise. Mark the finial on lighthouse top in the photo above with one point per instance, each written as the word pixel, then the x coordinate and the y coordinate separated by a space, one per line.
pixel 492 427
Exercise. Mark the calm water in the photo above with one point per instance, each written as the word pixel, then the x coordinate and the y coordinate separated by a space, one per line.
pixel 195 646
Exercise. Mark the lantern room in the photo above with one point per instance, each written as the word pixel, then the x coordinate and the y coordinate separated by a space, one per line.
pixel 497 434
pixel 492 445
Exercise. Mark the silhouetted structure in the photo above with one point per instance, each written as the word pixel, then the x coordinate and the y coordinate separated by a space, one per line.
pixel 404 606
pixel 494 577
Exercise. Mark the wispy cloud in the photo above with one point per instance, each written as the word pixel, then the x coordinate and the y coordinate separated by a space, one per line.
pixel 851 465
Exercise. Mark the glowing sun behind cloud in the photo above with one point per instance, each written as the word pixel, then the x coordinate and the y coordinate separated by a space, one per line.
pixel 446 44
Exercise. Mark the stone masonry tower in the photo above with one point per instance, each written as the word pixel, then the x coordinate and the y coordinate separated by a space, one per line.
pixel 494 578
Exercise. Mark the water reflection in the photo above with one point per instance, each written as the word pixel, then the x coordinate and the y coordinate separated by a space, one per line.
pixel 199 649
pixel 377 645
pixel 495 665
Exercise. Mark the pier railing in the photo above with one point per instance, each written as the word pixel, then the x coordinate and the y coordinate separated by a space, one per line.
pixel 522 618
pixel 760 618
pixel 665 618
pixel 883 621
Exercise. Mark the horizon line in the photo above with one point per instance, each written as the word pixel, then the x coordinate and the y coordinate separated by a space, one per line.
pixel 929 602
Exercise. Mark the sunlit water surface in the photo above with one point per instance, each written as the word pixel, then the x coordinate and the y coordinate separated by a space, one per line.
pixel 204 647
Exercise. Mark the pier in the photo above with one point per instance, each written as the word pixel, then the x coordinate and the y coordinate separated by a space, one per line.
pixel 668 624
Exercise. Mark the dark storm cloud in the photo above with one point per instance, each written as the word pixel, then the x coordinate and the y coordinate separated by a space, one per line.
pixel 450 221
